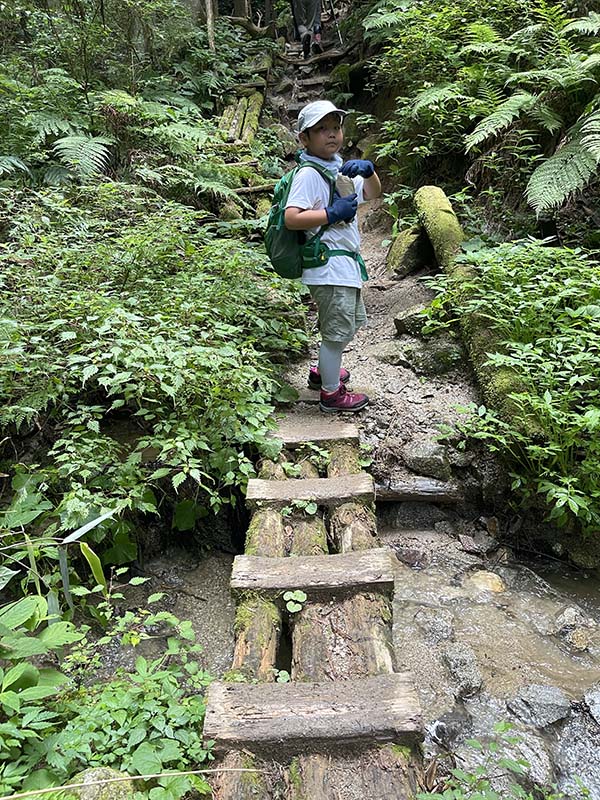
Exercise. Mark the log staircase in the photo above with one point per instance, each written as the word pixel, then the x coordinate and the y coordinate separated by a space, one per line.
pixel 346 725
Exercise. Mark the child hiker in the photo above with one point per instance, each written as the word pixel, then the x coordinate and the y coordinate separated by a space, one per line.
pixel 336 285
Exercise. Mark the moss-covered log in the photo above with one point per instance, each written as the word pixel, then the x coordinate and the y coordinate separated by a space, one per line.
pixel 344 637
pixel 263 206
pixel 266 535
pixel 251 119
pixel 344 459
pixel 382 773
pixel 410 251
pixel 437 216
pixel 227 118
pixel 257 629
pixel 240 785
pixel 353 526
pixel 237 121
pixel 309 537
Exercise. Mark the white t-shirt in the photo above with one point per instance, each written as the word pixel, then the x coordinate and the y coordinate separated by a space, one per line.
pixel 311 191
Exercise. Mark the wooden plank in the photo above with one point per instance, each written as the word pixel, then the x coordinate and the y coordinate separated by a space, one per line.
pixel 313 397
pixel 420 490
pixel 324 491
pixel 365 568
pixel 300 428
pixel 313 716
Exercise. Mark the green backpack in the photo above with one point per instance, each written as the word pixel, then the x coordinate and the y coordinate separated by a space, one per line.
pixel 288 251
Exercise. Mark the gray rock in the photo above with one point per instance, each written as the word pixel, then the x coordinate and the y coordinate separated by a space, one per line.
pixel 576 756
pixel 121 790
pixel 410 320
pixel 577 630
pixel 410 251
pixel 287 141
pixel 460 660
pixel 435 356
pixel 592 698
pixel 540 705
pixel 427 458
pixel 436 623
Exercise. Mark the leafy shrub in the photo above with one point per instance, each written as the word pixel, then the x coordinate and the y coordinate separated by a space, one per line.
pixel 52 724
pixel 542 303
pixel 130 310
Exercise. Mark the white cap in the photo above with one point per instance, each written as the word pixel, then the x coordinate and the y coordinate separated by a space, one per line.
pixel 313 112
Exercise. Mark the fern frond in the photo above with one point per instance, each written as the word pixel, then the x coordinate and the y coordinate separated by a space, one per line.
pixel 480 33
pixel 45 124
pixel 565 172
pixel 584 25
pixel 215 188
pixel 501 118
pixel 85 155
pixel 57 175
pixel 490 95
pixel 117 98
pixel 590 133
pixel 11 164
pixel 385 19
pixel 489 49
pixel 436 95
pixel 549 119
pixel 191 133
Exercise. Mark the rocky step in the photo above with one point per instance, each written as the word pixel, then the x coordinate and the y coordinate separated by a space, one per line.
pixel 418 489
pixel 299 429
pixel 371 569
pixel 323 491
pixel 313 717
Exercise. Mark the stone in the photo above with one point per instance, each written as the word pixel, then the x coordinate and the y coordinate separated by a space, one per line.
pixel 410 251
pixel 410 320
pixel 427 458
pixel 121 790
pixel 592 699
pixel 368 145
pixel 462 664
pixel 436 624
pixel 437 216
pixel 287 141
pixel 576 756
pixel 540 705
pixel 576 629
pixel 485 581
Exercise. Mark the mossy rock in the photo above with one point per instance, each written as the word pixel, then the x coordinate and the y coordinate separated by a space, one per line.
pixel 410 320
pixel 427 458
pixel 435 356
pixel 368 145
pixel 584 550
pixel 122 790
pixel 263 207
pixel 230 211
pixel 410 251
pixel 288 143
pixel 340 76
pixel 440 222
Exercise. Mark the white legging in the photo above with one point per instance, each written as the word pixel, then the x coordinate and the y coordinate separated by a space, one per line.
pixel 330 361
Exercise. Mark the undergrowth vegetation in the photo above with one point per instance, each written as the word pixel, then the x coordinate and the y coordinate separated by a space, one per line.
pixel 542 306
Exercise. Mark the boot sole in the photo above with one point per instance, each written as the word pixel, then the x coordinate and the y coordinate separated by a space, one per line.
pixel 333 409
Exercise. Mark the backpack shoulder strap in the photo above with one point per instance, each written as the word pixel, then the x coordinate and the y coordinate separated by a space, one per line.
pixel 325 174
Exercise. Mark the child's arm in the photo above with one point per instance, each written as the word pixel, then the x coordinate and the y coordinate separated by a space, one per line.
pixel 372 187
pixel 302 219
pixel 359 166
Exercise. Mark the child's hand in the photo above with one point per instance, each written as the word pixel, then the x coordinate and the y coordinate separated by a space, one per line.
pixel 342 209
pixel 357 166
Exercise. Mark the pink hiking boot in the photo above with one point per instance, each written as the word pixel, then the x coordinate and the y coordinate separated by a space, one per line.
pixel 343 400
pixel 314 377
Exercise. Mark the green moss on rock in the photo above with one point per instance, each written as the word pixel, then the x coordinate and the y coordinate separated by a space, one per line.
pixel 440 222
pixel 121 790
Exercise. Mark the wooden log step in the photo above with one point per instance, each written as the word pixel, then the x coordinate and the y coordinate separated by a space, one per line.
pixel 323 491
pixel 420 490
pixel 296 430
pixel 373 569
pixel 311 717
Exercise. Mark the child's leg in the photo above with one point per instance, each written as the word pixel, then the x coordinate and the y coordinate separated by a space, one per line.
pixel 330 361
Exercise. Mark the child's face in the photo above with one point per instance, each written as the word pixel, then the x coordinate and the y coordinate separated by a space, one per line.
pixel 324 139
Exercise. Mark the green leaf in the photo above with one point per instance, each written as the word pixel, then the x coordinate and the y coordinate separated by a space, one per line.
pixel 72 537
pixel 27 611
pixel 20 677
pixel 60 634
pixel 293 607
pixel 6 576
pixel 146 760
pixel 184 517
pixel 95 565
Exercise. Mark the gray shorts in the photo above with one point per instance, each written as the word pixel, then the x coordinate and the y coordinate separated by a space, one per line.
pixel 341 311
